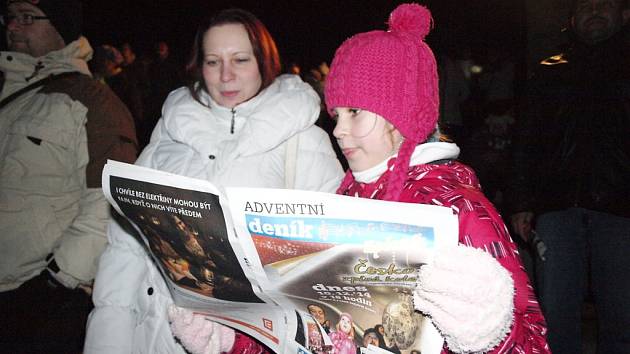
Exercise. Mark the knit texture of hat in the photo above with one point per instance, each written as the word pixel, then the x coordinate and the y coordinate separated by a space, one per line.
pixel 393 74
pixel 65 15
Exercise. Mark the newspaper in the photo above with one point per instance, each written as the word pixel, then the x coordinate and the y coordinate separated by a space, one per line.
pixel 303 272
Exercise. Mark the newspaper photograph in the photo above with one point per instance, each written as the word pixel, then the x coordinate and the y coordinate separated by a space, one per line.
pixel 183 223
pixel 352 263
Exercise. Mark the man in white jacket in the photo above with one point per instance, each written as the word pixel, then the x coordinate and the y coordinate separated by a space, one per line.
pixel 58 127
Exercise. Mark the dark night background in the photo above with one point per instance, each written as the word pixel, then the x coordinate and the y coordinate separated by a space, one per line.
pixel 307 32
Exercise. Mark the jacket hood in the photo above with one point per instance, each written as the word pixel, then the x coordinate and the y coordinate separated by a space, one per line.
pixel 430 163
pixel 430 152
pixel 21 69
pixel 429 176
pixel 285 108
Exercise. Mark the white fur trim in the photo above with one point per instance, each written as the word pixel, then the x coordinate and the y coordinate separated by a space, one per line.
pixel 423 153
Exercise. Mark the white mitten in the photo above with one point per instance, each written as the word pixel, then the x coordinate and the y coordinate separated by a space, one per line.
pixel 198 334
pixel 469 296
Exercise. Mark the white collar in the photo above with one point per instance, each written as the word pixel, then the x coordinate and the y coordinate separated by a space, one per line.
pixel 287 107
pixel 20 69
pixel 423 153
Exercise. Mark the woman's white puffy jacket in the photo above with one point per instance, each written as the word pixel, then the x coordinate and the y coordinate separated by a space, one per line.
pixel 130 296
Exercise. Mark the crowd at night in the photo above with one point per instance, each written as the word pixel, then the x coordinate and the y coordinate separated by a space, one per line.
pixel 513 114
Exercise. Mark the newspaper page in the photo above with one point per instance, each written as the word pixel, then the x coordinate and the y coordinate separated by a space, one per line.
pixel 351 263
pixel 185 225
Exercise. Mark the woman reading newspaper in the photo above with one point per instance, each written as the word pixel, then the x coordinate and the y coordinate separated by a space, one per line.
pixel 237 124
pixel 382 90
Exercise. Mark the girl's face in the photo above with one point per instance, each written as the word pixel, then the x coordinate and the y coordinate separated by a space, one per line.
pixel 230 70
pixel 365 138
pixel 345 325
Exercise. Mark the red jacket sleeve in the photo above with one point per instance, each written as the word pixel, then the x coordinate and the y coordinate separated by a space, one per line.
pixel 482 227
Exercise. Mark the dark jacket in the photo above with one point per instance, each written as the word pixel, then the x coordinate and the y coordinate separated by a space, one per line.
pixel 572 145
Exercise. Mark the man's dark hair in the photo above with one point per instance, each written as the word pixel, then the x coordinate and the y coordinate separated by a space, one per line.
pixel 574 3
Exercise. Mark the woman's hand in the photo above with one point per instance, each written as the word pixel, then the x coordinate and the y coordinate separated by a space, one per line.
pixel 198 334
pixel 469 296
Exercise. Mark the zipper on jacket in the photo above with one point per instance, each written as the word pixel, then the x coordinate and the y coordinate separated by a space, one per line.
pixel 232 125
pixel 38 67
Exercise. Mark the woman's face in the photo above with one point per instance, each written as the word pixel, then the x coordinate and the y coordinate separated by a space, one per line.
pixel 230 70
pixel 345 325
pixel 365 138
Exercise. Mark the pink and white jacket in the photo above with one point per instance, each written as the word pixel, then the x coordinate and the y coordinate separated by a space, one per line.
pixel 436 178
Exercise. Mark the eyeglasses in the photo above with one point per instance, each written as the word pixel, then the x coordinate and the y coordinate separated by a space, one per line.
pixel 22 19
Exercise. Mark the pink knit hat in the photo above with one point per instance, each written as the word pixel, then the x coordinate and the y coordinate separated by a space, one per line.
pixel 393 74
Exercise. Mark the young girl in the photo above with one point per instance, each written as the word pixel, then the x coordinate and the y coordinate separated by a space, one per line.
pixel 383 91
pixel 343 336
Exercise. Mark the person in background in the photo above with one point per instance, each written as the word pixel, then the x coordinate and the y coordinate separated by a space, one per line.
pixel 107 67
pixel 343 336
pixel 387 344
pixel 236 124
pixel 106 63
pixel 373 337
pixel 164 75
pixel 58 128
pixel 316 77
pixel 454 91
pixel 382 90
pixel 570 189
pixel 319 314
pixel 135 78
